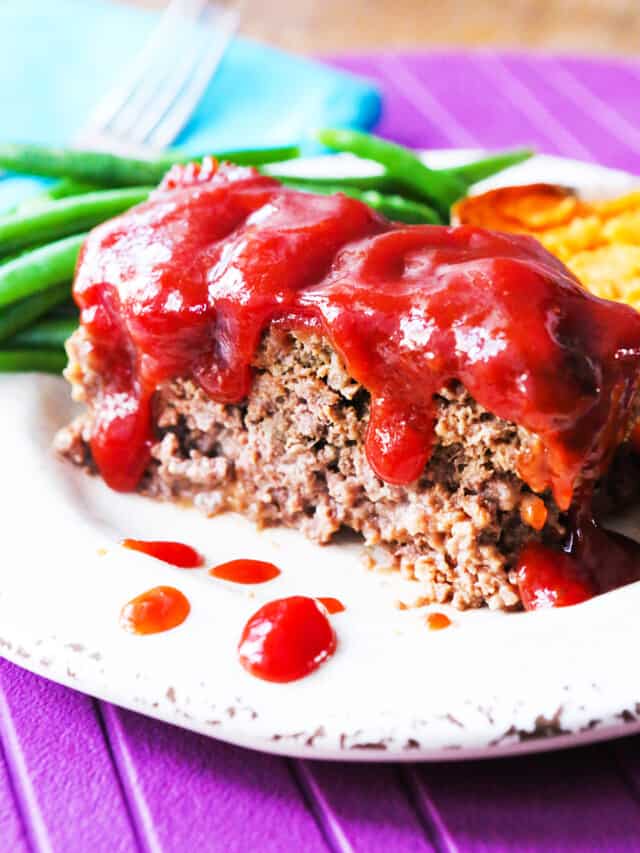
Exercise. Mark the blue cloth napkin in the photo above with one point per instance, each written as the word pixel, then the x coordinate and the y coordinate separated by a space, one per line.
pixel 58 58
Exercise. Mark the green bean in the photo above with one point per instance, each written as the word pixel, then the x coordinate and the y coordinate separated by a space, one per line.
pixel 68 216
pixel 20 315
pixel 109 170
pixel 13 255
pixel 438 188
pixel 68 308
pixel 48 334
pixel 394 206
pixel 382 182
pixel 61 189
pixel 240 156
pixel 471 173
pixel 399 208
pixel 67 187
pixel 44 361
pixel 36 271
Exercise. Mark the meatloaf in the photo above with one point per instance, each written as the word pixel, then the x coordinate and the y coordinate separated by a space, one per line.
pixel 241 411
pixel 293 454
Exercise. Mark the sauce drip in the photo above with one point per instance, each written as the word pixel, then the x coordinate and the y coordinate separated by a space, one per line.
pixel 245 571
pixel 182 556
pixel 333 605
pixel 185 284
pixel 159 609
pixel 287 639
pixel 594 561
pixel 436 621
pixel 548 578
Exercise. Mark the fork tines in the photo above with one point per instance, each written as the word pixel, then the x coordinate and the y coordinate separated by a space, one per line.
pixel 156 96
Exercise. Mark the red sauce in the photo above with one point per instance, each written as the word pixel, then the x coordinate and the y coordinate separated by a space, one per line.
pixel 594 561
pixel 437 621
pixel 245 571
pixel 547 578
pixel 333 605
pixel 182 556
pixel 158 609
pixel 185 284
pixel 287 639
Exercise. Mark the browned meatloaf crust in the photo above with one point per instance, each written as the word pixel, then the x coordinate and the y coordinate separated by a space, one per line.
pixel 293 454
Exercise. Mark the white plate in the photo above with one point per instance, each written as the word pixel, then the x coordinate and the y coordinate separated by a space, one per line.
pixel 491 684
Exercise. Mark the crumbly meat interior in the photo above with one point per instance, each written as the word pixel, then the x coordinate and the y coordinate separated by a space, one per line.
pixel 293 454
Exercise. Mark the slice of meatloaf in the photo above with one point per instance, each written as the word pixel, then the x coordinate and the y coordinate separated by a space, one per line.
pixel 293 454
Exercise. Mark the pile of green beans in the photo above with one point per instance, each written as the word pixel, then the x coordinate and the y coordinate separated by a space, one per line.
pixel 40 238
pixel 405 171
pixel 391 205
pixel 108 170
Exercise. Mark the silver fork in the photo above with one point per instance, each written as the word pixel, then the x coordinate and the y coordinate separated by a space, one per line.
pixel 156 96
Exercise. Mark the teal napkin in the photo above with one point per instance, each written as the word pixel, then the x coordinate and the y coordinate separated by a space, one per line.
pixel 58 57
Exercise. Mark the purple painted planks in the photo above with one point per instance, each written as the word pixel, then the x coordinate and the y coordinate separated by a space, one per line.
pixel 61 770
pixel 429 97
pixel 626 754
pixel 400 120
pixel 609 90
pixel 363 807
pixel 565 801
pixel 187 792
pixel 13 836
pixel 575 107
pixel 605 133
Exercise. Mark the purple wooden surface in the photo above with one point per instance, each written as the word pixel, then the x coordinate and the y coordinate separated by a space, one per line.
pixel 65 788
pixel 215 791
pixel 78 775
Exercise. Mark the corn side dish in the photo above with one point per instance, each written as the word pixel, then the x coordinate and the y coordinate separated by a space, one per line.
pixel 598 241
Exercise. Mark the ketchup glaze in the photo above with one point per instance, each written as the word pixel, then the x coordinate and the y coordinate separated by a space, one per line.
pixel 287 639
pixel 159 609
pixel 185 284
pixel 438 621
pixel 593 561
pixel 245 571
pixel 333 605
pixel 175 553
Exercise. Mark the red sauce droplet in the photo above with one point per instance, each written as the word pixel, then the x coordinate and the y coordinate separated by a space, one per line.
pixel 185 285
pixel 182 556
pixel 245 571
pixel 159 609
pixel 398 447
pixel 549 578
pixel 437 621
pixel 333 605
pixel 287 639
pixel 594 561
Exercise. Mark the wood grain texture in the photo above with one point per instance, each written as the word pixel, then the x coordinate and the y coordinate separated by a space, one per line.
pixel 80 777
pixel 13 833
pixel 556 802
pixel 364 807
pixel 318 26
pixel 65 790
pixel 186 792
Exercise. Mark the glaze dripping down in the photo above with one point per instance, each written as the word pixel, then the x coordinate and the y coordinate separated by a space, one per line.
pixel 185 285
